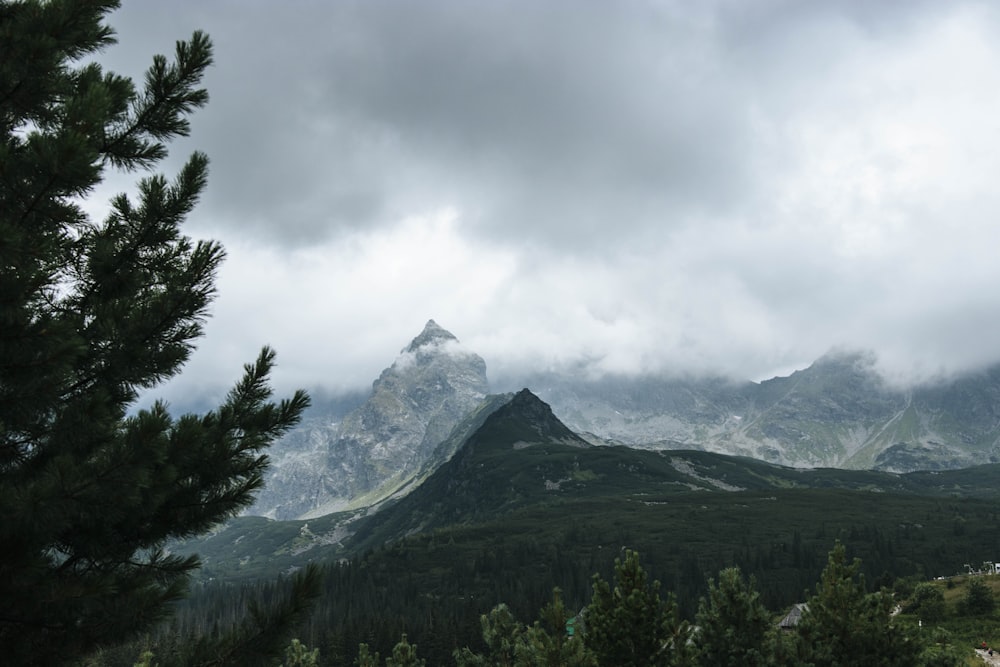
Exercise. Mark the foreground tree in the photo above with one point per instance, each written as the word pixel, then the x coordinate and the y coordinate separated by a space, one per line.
pixel 404 654
pixel 544 644
pixel 298 654
pixel 629 624
pixel 92 314
pixel 366 658
pixel 734 627
pixel 504 637
pixel 845 625
pixel 547 643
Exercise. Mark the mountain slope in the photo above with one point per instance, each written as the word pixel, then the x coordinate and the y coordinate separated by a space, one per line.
pixel 476 482
pixel 377 449
pixel 522 456
pixel 838 412
pixel 514 458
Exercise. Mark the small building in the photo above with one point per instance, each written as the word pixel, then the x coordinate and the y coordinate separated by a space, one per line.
pixel 792 618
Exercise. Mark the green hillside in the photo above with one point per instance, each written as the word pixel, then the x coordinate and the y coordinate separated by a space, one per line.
pixel 524 505
pixel 433 585
pixel 520 458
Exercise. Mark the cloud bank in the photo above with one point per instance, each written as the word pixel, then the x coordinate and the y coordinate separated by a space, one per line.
pixel 726 187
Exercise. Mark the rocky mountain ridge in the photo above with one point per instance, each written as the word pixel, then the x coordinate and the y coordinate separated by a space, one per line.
pixel 516 463
pixel 839 412
pixel 379 447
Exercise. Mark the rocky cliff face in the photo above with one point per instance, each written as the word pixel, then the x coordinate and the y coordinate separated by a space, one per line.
pixel 838 413
pixel 378 448
pixel 294 480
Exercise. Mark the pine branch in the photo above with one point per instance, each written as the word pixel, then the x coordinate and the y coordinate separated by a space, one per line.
pixel 170 94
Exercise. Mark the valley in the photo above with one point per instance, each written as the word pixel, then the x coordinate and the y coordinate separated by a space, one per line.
pixel 512 503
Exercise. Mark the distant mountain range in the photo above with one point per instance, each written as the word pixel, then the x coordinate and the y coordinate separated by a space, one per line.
pixel 839 412
pixel 523 505
pixel 514 458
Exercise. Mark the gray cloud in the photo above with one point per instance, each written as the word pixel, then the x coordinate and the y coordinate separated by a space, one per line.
pixel 670 186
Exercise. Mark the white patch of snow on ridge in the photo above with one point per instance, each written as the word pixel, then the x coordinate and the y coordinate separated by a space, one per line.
pixel 686 468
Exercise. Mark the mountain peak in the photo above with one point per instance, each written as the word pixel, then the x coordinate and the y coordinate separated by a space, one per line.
pixel 433 333
pixel 526 400
pixel 525 420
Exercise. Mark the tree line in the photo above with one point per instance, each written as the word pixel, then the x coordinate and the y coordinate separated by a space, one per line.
pixel 629 622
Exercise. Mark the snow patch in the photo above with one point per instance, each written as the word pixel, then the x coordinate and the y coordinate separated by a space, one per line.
pixel 687 468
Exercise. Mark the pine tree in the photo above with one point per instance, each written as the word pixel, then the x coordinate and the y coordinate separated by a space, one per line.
pixel 261 635
pixel 844 625
pixel 503 636
pixel 546 643
pixel 366 658
pixel 91 315
pixel 404 654
pixel 298 654
pixel 734 627
pixel 630 625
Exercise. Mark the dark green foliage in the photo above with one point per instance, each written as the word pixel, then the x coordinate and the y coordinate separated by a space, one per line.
pixel 366 658
pixel 547 643
pixel 404 654
pixel 927 603
pixel 376 598
pixel 734 628
pixel 503 636
pixel 435 586
pixel 262 633
pixel 298 654
pixel 845 625
pixel 903 587
pixel 92 314
pixel 940 650
pixel 630 625
pixel 978 598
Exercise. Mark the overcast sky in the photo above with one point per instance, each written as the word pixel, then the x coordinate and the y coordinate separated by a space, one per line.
pixel 639 186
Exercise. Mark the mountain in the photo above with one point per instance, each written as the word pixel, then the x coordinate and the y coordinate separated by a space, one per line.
pixel 523 505
pixel 378 449
pixel 477 481
pixel 516 465
pixel 838 412
pixel 294 480
pixel 523 456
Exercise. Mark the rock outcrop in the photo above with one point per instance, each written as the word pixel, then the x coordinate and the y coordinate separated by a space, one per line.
pixel 378 449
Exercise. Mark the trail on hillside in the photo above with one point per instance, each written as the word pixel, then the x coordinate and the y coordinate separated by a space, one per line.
pixel 987 658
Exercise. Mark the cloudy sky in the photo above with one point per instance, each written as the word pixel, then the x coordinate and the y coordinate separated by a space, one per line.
pixel 734 187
